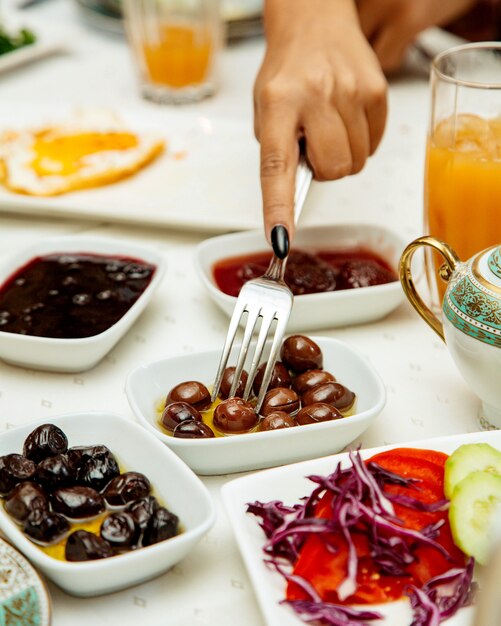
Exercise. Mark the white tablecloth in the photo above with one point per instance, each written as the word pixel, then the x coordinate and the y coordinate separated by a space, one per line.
pixel 426 396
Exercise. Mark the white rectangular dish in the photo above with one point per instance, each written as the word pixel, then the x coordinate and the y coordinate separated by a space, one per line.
pixel 150 383
pixel 289 484
pixel 318 310
pixel 175 485
pixel 75 355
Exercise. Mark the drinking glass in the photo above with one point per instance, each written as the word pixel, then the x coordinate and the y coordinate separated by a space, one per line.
pixel 462 195
pixel 176 45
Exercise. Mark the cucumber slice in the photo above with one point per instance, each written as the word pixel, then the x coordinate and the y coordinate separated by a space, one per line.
pixel 475 501
pixel 472 457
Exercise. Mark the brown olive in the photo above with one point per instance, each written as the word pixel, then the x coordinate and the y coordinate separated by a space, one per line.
pixel 85 546
pixel 55 471
pixel 44 527
pixel 332 393
pixel 120 530
pixel 300 353
pixel 280 377
pixel 227 381
pixel 280 399
pixel 177 412
pixel 126 488
pixel 162 525
pixel 277 420
pixel 235 416
pixel 194 393
pixel 142 510
pixel 311 379
pixel 318 412
pixel 193 430
pixel 77 502
pixel 14 468
pixel 46 440
pixel 25 498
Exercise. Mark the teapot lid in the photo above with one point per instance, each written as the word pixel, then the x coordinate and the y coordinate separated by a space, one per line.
pixel 472 302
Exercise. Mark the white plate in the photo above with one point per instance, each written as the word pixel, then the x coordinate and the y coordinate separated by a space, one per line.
pixel 207 180
pixel 175 485
pixel 75 355
pixel 322 310
pixel 289 484
pixel 149 384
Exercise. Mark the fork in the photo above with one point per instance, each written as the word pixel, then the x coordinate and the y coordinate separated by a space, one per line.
pixel 267 298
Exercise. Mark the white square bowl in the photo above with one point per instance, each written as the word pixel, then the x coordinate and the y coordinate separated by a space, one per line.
pixel 318 310
pixel 149 384
pixel 75 355
pixel 174 484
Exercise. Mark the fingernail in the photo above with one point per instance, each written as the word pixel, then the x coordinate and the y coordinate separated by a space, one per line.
pixel 280 241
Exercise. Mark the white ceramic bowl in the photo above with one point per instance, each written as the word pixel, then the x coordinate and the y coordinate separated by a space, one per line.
pixel 175 485
pixel 148 384
pixel 74 355
pixel 319 310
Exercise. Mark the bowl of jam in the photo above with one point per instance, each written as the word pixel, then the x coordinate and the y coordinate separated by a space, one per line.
pixel 322 396
pixel 340 274
pixel 65 302
pixel 96 503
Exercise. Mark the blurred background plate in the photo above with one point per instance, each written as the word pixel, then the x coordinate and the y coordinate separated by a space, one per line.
pixel 242 17
pixel 24 598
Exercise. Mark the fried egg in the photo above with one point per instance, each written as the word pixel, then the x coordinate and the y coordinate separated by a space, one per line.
pixel 83 153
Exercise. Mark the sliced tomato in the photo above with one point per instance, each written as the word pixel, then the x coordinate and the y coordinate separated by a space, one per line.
pixel 326 570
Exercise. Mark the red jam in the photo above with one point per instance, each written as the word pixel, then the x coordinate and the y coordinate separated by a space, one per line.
pixel 71 296
pixel 308 272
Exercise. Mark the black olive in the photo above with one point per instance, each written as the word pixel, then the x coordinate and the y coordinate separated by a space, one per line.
pixel 96 471
pixel 126 488
pixel 14 468
pixel 162 525
pixel 46 440
pixel 45 527
pixel 77 502
pixel 55 471
pixel 142 510
pixel 77 454
pixel 85 546
pixel 25 498
pixel 120 530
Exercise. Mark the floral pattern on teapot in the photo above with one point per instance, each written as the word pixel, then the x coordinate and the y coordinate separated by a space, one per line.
pixel 472 302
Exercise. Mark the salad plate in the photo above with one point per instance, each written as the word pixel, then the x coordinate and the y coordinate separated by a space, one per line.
pixel 289 484
pixel 44 45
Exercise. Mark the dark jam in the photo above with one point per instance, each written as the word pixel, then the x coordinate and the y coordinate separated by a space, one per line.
pixel 71 296
pixel 308 272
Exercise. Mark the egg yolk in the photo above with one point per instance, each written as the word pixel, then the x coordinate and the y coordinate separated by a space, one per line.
pixel 64 155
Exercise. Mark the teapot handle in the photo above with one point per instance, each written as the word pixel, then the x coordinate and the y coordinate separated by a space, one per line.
pixel 445 272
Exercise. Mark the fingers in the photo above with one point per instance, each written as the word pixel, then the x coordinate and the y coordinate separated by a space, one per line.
pixel 327 144
pixel 278 135
pixel 390 46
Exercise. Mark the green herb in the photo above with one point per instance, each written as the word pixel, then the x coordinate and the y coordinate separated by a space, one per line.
pixel 9 42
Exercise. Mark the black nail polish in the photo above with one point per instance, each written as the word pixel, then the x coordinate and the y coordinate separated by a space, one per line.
pixel 280 241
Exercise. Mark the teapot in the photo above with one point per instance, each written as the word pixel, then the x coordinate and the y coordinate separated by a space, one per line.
pixel 471 318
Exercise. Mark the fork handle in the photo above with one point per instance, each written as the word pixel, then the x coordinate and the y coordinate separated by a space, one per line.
pixel 304 176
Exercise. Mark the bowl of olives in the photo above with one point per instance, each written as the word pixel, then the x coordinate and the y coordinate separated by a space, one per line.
pixel 98 504
pixel 322 396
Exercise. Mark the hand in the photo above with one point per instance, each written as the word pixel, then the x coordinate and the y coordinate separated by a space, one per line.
pixel 392 25
pixel 319 80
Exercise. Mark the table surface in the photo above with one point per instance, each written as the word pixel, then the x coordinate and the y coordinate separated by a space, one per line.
pixel 426 395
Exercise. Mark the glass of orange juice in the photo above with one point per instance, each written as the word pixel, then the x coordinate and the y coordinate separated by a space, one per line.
pixel 176 45
pixel 462 196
